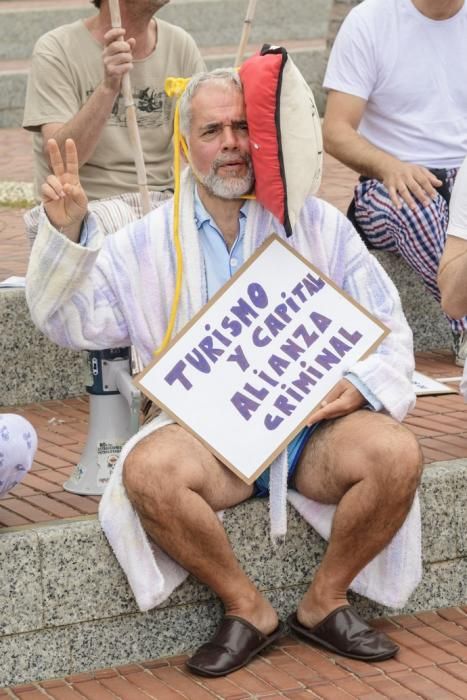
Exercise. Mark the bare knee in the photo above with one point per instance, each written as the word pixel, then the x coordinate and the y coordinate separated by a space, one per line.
pixel 154 477
pixel 393 456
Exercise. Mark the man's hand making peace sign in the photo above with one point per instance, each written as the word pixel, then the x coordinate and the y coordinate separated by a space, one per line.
pixel 64 199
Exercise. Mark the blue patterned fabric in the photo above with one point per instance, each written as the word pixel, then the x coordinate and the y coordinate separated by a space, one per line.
pixel 418 236
pixel 294 451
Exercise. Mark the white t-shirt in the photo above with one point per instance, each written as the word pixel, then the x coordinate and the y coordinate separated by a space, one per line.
pixel 458 206
pixel 412 71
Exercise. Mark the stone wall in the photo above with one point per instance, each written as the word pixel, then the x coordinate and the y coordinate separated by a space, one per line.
pixel 339 11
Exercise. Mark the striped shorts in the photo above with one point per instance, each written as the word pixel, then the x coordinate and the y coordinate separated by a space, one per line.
pixel 418 236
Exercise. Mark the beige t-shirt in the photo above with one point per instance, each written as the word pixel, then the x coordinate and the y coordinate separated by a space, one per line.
pixel 67 68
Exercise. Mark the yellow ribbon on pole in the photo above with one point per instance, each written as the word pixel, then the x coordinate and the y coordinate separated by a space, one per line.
pixel 174 87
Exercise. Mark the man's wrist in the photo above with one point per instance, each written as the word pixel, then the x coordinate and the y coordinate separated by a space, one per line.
pixel 109 89
pixel 73 232
pixel 383 165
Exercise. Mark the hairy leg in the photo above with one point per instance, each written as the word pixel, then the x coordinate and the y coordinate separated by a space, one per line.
pixel 176 485
pixel 369 466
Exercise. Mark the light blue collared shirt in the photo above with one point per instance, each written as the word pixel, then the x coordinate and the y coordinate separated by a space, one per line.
pixel 220 262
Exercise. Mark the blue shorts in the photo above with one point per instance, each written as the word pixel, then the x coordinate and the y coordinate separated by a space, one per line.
pixel 294 451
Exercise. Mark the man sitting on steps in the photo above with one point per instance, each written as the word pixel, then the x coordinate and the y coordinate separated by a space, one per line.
pixel 362 461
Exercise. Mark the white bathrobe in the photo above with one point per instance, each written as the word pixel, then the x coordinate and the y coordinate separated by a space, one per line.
pixel 118 292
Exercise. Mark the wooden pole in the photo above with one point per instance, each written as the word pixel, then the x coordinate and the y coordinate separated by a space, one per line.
pixel 136 364
pixel 131 121
pixel 250 13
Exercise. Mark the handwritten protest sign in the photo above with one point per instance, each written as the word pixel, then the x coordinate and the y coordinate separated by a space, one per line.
pixel 249 368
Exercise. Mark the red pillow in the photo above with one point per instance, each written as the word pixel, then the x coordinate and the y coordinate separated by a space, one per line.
pixel 285 133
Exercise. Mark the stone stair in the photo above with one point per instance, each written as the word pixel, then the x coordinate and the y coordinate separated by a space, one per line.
pixel 66 608
pixel 216 26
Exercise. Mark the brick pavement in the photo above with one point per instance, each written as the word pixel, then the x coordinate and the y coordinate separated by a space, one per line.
pixel 432 664
pixel 14 247
pixel 16 161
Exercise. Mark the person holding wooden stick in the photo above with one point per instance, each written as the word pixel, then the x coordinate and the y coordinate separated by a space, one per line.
pixel 74 91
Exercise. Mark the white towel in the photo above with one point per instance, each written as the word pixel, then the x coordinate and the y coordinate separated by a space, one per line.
pixel 388 579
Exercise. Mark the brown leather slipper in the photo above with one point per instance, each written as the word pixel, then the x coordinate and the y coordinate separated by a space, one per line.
pixel 344 632
pixel 235 644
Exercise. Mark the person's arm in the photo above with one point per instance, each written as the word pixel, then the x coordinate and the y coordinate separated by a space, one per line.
pixel 452 277
pixel 86 126
pixel 71 289
pixel 343 399
pixel 342 140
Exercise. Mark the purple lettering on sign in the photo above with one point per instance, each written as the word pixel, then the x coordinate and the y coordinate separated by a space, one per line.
pixel 339 346
pixel 321 322
pixel 351 337
pixel 326 359
pixel 258 340
pixel 244 405
pixel 257 295
pixel 238 356
pixel 176 374
pixel 272 422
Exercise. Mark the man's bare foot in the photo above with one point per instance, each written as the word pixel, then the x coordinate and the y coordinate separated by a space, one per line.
pixel 257 610
pixel 317 604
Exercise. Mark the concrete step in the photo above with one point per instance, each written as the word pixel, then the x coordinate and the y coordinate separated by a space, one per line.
pixel 65 605
pixel 219 22
pixel 33 366
pixel 22 23
pixel 210 22
pixel 429 325
pixel 309 55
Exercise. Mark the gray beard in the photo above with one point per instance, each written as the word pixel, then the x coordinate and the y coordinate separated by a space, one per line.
pixel 231 187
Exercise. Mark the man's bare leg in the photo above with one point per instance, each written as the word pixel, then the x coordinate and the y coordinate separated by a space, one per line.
pixel 176 485
pixel 370 466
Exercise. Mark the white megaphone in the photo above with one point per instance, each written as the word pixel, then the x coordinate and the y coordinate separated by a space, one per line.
pixel 114 407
